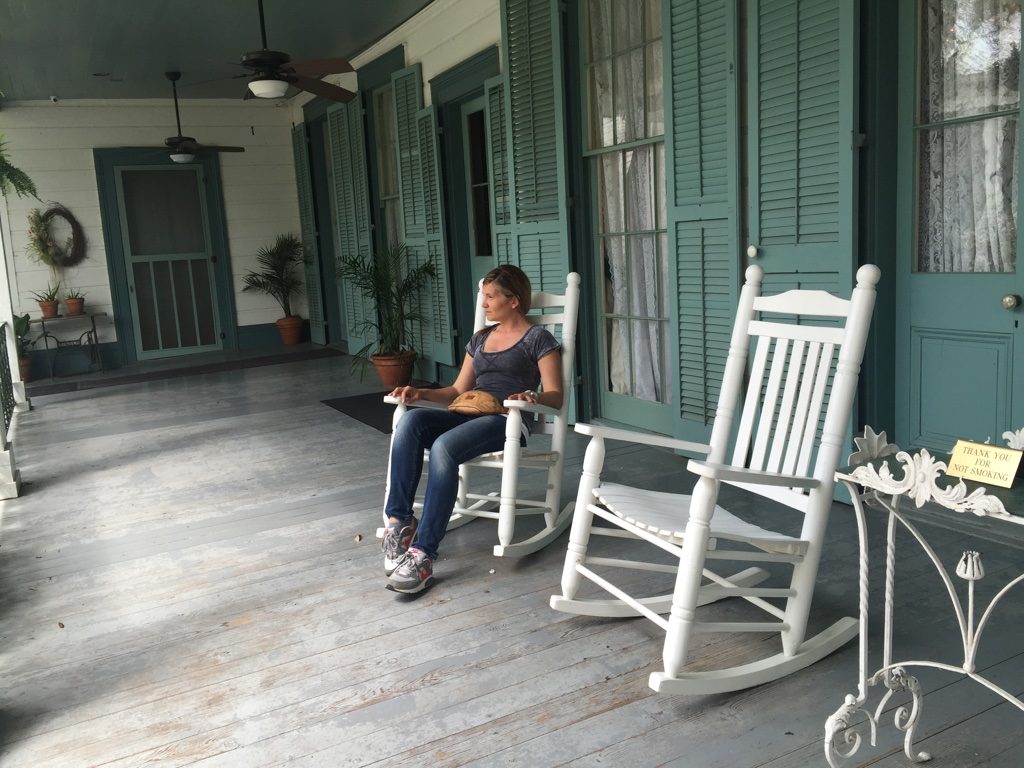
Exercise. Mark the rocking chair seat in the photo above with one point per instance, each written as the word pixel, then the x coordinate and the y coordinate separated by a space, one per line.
pixel 666 514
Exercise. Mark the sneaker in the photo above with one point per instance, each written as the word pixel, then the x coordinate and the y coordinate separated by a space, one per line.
pixel 396 540
pixel 414 573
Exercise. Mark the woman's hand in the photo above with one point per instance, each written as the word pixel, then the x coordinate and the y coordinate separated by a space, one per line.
pixel 529 396
pixel 406 394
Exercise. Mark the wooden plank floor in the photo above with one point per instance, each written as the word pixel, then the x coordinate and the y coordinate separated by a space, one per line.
pixel 190 578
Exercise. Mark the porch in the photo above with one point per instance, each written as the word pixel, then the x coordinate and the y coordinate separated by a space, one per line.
pixel 190 577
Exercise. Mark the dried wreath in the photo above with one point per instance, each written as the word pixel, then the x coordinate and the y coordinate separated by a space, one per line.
pixel 42 245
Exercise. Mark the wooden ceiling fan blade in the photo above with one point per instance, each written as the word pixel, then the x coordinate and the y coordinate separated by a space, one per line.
pixel 218 148
pixel 320 88
pixel 314 67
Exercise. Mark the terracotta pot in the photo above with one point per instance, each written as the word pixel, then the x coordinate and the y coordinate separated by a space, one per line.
pixel 290 329
pixel 25 368
pixel 48 309
pixel 394 370
pixel 74 306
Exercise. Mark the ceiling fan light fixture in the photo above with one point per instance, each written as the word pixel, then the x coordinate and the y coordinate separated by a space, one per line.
pixel 182 157
pixel 271 88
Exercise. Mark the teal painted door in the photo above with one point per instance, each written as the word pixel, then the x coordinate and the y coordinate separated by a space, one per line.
pixel 960 352
pixel 801 149
pixel 168 260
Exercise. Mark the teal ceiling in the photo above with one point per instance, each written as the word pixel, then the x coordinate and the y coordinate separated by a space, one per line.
pixel 119 49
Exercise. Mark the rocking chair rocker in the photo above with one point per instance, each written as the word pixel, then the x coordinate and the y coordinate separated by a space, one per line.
pixel 797 372
pixel 558 314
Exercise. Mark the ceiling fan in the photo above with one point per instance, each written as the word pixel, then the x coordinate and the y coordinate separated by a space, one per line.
pixel 185 148
pixel 274 71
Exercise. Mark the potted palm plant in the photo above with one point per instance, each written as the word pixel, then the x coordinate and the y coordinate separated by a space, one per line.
pixel 279 277
pixel 385 279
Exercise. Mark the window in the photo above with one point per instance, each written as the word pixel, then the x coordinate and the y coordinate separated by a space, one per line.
pixel 966 134
pixel 626 149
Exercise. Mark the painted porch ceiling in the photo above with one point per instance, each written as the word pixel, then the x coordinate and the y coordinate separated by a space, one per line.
pixel 120 49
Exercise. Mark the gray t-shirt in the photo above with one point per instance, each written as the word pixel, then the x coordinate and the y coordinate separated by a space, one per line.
pixel 514 369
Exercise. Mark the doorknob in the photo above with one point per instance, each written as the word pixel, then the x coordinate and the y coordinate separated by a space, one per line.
pixel 1011 301
pixel 752 251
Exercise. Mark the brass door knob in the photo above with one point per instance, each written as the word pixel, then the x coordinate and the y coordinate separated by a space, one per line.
pixel 1011 301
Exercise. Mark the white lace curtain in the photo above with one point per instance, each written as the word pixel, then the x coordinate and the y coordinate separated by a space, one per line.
pixel 970 52
pixel 619 81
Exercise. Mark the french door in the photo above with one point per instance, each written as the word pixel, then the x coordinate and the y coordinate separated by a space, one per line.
pixel 961 355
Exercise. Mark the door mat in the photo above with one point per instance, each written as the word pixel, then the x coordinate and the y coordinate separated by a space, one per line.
pixel 369 409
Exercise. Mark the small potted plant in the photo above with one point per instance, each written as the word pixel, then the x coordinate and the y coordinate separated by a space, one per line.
pixel 22 326
pixel 279 276
pixel 48 300
pixel 384 279
pixel 74 301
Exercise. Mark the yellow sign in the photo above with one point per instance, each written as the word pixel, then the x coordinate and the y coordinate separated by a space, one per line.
pixel 984 463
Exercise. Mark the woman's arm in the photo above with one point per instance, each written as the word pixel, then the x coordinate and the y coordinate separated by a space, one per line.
pixel 550 380
pixel 444 395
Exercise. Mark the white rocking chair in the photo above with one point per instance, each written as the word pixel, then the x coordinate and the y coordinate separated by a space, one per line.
pixel 794 370
pixel 558 313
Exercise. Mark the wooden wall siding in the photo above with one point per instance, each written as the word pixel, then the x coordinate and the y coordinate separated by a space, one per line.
pixel 703 198
pixel 307 224
pixel 350 201
pixel 218 609
pixel 53 143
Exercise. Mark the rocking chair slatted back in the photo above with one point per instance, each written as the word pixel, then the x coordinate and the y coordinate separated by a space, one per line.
pixel 782 418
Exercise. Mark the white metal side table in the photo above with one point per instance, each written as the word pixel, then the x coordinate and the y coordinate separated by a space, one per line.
pixel 875 484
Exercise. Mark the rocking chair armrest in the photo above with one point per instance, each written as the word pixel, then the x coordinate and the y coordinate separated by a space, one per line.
pixel 740 475
pixel 646 438
pixel 526 405
pixel 418 404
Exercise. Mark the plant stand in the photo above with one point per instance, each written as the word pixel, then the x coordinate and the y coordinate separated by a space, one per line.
pixel 87 341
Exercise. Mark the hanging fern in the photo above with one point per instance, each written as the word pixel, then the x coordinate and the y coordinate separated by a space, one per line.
pixel 14 178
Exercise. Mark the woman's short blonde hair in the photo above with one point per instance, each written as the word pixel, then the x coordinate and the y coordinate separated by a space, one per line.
pixel 513 282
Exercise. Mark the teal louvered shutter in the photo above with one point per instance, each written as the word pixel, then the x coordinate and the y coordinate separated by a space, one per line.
pixel 350 202
pixel 422 209
pixel 535 136
pixel 407 92
pixel 438 333
pixel 802 124
pixel 703 223
pixel 307 223
pixel 496 112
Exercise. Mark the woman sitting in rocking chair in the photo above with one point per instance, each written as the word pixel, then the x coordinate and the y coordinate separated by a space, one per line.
pixel 507 360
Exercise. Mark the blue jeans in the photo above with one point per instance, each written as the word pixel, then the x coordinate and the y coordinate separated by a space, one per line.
pixel 452 439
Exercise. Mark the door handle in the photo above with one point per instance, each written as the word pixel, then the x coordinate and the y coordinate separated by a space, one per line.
pixel 753 252
pixel 1011 301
